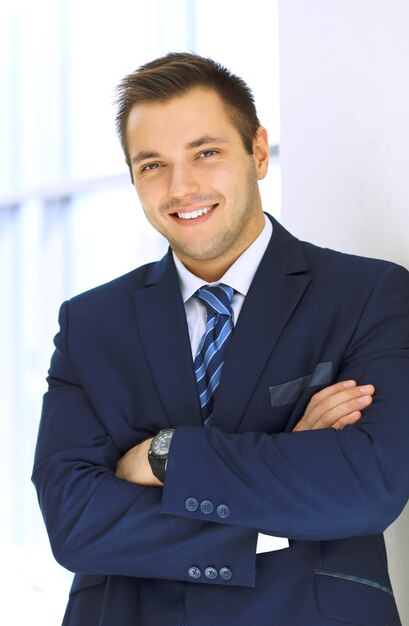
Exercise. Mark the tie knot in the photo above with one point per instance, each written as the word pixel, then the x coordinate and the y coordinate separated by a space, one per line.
pixel 217 298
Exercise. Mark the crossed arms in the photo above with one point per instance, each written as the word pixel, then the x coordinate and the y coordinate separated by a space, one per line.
pixel 336 406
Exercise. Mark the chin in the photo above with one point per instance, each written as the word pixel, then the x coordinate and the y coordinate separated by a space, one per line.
pixel 199 253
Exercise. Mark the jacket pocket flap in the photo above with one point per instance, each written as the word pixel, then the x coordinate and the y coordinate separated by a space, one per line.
pixel 81 581
pixel 355 600
pixel 290 391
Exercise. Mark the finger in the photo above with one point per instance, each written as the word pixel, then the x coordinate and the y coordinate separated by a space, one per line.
pixel 331 417
pixel 331 390
pixel 314 411
pixel 326 419
pixel 347 420
pixel 326 400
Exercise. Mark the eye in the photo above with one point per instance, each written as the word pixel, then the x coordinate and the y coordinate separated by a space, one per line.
pixel 149 167
pixel 207 153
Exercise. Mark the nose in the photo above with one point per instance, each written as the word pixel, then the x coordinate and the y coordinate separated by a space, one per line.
pixel 182 181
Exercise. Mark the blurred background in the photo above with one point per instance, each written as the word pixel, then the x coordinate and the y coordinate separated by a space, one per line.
pixel 70 219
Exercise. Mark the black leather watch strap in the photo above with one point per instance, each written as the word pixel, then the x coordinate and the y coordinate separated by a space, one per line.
pixel 158 467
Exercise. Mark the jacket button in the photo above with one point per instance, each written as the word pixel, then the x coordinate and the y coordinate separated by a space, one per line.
pixel 194 572
pixel 211 572
pixel 191 504
pixel 206 507
pixel 223 511
pixel 226 573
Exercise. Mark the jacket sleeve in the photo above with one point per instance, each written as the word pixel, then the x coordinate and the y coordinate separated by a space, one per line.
pixel 99 524
pixel 322 484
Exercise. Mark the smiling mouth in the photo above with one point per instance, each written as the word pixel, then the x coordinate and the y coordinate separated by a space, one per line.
pixel 191 215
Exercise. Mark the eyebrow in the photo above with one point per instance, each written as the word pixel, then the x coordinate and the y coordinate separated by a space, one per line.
pixel 142 155
pixel 196 143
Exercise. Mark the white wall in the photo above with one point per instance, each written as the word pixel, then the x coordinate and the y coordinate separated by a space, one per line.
pixel 344 68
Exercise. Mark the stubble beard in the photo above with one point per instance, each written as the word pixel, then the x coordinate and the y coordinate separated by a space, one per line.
pixel 223 241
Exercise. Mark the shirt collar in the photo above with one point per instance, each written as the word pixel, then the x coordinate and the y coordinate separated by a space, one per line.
pixel 239 275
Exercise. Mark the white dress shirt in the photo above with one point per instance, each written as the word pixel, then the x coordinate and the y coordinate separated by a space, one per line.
pixel 239 276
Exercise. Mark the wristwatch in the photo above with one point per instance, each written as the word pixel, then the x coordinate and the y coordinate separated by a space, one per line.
pixel 159 451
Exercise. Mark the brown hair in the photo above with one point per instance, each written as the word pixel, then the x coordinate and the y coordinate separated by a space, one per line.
pixel 174 75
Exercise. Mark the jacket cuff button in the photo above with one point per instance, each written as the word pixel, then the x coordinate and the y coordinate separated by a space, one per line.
pixel 191 504
pixel 226 573
pixel 194 572
pixel 206 507
pixel 223 511
pixel 211 572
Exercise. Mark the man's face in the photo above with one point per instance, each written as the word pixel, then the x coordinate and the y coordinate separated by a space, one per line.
pixel 196 182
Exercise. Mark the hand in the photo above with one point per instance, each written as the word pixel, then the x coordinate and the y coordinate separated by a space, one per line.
pixel 134 466
pixel 336 406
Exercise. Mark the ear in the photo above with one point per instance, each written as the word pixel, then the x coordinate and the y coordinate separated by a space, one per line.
pixel 261 152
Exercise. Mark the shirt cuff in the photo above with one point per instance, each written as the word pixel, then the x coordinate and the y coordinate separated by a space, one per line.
pixel 268 543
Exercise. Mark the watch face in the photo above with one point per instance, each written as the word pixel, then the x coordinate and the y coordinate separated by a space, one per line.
pixel 160 447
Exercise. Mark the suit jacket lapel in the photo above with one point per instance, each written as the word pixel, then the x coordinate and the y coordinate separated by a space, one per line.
pixel 274 293
pixel 164 335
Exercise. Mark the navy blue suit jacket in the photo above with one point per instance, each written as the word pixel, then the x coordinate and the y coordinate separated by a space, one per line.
pixel 122 370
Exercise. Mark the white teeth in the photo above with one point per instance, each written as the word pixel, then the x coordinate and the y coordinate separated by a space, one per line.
pixel 193 214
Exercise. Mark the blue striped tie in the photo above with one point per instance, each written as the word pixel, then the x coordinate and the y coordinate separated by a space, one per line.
pixel 213 345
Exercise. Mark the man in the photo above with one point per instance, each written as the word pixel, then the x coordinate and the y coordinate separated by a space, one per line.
pixel 200 406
